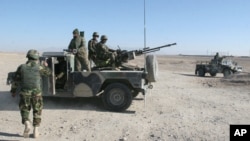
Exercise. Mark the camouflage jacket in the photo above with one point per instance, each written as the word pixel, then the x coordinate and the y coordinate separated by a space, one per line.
pixel 92 48
pixel 102 51
pixel 16 84
pixel 79 44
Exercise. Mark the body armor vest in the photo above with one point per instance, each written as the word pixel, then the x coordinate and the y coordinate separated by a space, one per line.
pixel 31 77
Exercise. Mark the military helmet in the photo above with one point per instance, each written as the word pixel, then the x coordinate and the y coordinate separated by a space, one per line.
pixel 95 34
pixel 76 31
pixel 104 37
pixel 33 54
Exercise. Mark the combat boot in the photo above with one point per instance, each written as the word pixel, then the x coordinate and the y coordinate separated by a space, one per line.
pixel 36 132
pixel 26 129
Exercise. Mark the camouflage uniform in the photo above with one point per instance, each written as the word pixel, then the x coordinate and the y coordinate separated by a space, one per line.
pixel 81 59
pixel 28 79
pixel 105 57
pixel 61 73
pixel 92 47
pixel 216 59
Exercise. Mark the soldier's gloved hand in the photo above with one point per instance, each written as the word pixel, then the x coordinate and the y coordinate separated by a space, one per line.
pixel 74 51
pixel 45 64
pixel 13 94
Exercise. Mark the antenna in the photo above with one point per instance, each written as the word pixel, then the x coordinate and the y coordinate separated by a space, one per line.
pixel 145 24
pixel 145 47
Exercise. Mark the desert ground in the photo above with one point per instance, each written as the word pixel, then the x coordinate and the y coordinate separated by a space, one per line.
pixel 180 107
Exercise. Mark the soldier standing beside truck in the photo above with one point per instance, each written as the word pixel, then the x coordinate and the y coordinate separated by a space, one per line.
pixel 81 56
pixel 28 79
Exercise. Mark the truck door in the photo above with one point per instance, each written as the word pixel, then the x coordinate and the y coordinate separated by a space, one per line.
pixel 63 76
pixel 47 83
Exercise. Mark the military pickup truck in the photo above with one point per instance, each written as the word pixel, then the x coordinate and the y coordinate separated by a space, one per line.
pixel 116 88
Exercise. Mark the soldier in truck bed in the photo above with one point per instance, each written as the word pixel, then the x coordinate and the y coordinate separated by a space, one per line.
pixel 92 46
pixel 81 57
pixel 105 57
pixel 217 58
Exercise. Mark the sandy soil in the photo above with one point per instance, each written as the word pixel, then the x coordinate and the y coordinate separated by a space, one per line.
pixel 181 106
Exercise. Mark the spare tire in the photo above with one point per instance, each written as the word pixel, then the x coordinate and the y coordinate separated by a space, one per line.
pixel 152 68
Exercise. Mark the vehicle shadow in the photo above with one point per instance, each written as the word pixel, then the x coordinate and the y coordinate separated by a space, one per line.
pixel 138 98
pixel 193 75
pixel 9 135
pixel 8 103
pixel 89 104
pixel 60 103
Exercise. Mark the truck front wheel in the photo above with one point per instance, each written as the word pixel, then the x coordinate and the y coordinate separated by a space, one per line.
pixel 117 97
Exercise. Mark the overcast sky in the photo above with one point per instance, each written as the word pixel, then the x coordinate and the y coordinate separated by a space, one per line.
pixel 197 26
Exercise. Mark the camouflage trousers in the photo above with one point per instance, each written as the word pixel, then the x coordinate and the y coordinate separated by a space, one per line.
pixel 82 63
pixel 30 99
pixel 107 60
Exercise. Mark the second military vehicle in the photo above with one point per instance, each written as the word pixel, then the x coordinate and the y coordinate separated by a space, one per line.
pixel 217 65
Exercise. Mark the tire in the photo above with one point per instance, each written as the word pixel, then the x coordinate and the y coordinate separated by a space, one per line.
pixel 117 97
pixel 213 74
pixel 201 72
pixel 227 72
pixel 152 68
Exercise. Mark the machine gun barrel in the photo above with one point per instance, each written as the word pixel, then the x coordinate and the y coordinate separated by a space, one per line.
pixel 148 50
pixel 151 50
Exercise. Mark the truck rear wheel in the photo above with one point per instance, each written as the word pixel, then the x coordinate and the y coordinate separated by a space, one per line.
pixel 201 72
pixel 152 68
pixel 117 97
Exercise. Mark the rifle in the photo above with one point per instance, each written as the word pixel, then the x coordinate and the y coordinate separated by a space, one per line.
pixel 74 51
